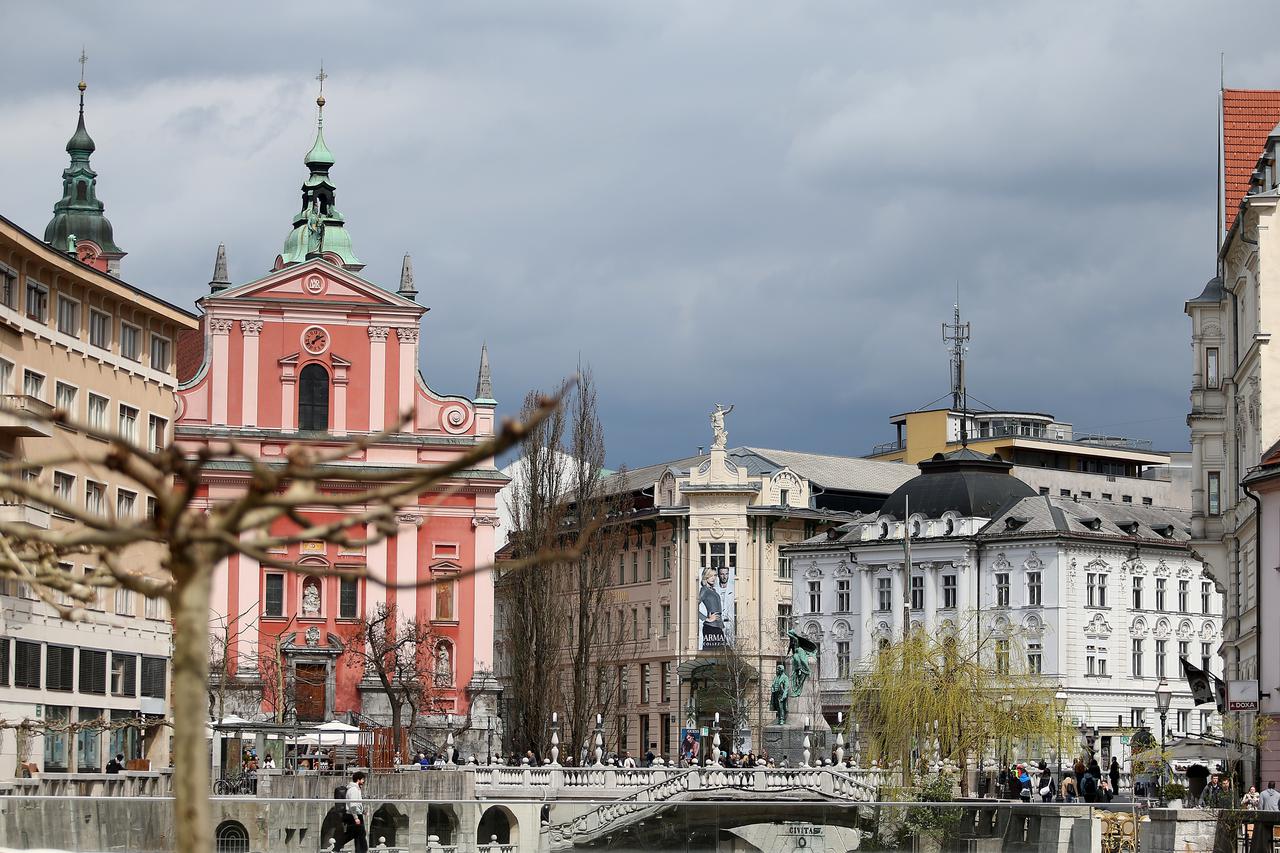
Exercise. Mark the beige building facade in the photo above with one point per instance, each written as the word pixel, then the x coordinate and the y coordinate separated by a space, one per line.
pixel 75 338
pixel 711 528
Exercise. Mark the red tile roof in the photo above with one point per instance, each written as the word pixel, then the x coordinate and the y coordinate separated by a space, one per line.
pixel 1248 116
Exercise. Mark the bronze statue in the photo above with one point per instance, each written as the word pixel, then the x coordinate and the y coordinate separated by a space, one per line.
pixel 780 695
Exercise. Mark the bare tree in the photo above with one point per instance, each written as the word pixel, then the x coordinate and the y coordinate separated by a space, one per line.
pixel 400 654
pixel 593 509
pixel 533 605
pixel 193 537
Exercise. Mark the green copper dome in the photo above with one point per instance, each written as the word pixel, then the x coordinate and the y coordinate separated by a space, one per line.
pixel 319 230
pixel 79 212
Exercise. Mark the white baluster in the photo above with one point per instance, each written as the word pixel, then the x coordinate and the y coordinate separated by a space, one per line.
pixel 840 738
pixel 555 739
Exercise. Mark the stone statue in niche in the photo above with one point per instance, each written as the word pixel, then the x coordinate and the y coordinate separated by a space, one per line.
pixel 311 599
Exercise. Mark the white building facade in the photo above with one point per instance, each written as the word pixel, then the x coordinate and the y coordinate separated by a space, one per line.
pixel 1100 599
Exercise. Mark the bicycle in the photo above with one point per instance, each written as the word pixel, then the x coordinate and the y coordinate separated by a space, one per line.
pixel 230 786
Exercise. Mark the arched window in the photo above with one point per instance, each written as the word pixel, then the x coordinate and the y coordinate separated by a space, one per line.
pixel 231 837
pixel 313 399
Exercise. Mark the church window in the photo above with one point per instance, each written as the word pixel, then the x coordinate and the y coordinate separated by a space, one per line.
pixel 1211 367
pixel 274 599
pixel 313 399
pixel 348 598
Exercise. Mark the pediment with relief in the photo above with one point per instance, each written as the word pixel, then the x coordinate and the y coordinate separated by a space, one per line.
pixel 317 281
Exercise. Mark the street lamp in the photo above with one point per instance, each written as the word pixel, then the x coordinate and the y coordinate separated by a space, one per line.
pixel 1006 705
pixel 1060 705
pixel 1164 693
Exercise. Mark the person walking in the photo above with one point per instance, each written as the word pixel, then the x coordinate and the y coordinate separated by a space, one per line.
pixel 1269 799
pixel 1114 772
pixel 353 817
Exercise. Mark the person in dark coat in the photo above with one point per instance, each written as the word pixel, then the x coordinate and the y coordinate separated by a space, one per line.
pixel 1114 773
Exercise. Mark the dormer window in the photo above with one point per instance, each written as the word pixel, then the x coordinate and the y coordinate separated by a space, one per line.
pixel 1130 527
pixel 313 399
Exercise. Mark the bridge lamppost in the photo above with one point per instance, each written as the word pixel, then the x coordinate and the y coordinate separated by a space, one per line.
pixel 1164 694
pixel 1060 706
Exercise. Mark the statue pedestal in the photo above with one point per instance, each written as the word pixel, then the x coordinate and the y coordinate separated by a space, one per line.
pixel 788 741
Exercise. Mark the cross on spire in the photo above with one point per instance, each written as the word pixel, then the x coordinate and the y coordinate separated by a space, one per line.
pixel 84 57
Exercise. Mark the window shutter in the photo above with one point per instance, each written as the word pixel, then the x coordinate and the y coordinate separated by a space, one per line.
pixel 58 664
pixel 153 677
pixel 93 671
pixel 4 661
pixel 27 669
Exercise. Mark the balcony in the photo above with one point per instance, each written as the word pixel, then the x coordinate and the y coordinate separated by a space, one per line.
pixel 888 447
pixel 23 416
pixel 15 512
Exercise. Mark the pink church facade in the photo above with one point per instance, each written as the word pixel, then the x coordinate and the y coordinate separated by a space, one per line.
pixel 313 354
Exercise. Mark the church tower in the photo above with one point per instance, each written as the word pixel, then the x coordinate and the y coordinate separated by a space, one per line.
pixel 78 226
pixel 319 231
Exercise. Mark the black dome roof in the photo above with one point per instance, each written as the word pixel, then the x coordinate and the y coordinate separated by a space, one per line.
pixel 962 481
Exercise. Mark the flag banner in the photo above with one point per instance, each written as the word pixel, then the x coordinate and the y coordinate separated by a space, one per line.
pixel 1200 683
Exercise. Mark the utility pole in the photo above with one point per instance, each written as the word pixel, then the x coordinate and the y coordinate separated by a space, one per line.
pixel 956 334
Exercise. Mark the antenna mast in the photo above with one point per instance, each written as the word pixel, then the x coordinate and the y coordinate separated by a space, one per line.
pixel 956 335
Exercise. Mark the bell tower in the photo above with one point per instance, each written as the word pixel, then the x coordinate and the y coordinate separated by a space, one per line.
pixel 319 230
pixel 78 226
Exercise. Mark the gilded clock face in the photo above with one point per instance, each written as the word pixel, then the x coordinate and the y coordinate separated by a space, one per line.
pixel 315 340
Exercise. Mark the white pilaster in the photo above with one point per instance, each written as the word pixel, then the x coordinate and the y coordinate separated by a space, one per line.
pixel 221 333
pixel 485 526
pixel 406 598
pixel 408 351
pixel 250 331
pixel 866 611
pixel 375 593
pixel 377 377
pixel 930 595
pixel 247 574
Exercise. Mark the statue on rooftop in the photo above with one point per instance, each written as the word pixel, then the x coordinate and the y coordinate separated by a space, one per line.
pixel 719 436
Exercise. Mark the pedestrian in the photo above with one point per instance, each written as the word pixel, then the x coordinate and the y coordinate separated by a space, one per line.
pixel 1024 784
pixel 1269 799
pixel 116 764
pixel 628 762
pixel 353 817
pixel 1089 785
pixel 269 763
pixel 1045 785
pixel 1251 800
pixel 1068 790
pixel 1114 772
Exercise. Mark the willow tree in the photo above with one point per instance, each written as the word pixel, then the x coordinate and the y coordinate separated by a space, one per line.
pixel 192 539
pixel 949 696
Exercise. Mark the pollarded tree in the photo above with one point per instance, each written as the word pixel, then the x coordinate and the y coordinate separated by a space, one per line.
pixel 949 694
pixel 192 539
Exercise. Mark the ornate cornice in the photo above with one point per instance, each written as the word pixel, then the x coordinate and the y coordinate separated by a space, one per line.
pixel 408 335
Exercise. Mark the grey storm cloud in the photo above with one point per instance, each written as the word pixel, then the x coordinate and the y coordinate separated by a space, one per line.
pixel 770 204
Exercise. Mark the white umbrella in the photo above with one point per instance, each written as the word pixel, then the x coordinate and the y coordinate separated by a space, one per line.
pixel 332 733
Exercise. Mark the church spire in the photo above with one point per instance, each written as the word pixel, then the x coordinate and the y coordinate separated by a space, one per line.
pixel 220 281
pixel 484 384
pixel 407 288
pixel 319 230
pixel 78 225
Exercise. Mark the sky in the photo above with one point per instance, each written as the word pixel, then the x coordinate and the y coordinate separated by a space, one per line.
pixel 765 204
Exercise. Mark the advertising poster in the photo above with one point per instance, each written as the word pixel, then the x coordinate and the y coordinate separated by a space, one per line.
pixel 716 600
pixel 690 745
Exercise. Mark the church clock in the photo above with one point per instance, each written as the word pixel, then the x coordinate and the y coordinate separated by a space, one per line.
pixel 315 340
